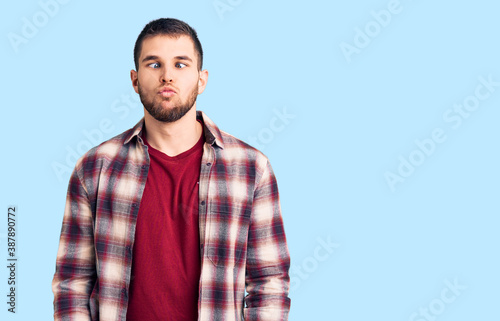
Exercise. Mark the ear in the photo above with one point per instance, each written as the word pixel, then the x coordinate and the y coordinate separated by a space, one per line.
pixel 202 81
pixel 133 77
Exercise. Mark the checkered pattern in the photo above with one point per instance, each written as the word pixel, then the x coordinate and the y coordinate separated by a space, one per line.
pixel 243 243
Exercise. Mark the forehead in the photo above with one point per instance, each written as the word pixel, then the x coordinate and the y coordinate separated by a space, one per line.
pixel 168 46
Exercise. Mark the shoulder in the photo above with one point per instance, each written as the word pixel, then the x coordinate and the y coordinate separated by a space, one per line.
pixel 115 149
pixel 236 145
pixel 239 154
pixel 234 150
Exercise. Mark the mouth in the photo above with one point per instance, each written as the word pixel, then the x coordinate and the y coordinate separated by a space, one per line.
pixel 167 92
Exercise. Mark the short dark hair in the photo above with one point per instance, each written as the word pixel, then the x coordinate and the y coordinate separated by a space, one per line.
pixel 167 27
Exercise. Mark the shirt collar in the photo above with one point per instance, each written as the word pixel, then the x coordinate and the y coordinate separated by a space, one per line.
pixel 211 131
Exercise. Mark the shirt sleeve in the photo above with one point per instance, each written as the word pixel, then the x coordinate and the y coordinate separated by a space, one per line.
pixel 268 259
pixel 75 274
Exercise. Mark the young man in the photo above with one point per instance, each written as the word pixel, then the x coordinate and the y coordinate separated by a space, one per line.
pixel 173 219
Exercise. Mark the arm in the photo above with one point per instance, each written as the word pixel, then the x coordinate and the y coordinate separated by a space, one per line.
pixel 75 274
pixel 268 260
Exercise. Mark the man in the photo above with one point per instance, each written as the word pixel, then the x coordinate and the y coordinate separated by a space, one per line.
pixel 173 219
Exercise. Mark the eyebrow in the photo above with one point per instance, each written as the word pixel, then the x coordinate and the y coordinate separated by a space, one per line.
pixel 150 57
pixel 183 58
pixel 153 57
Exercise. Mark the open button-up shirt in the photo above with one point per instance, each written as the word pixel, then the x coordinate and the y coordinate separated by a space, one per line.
pixel 242 239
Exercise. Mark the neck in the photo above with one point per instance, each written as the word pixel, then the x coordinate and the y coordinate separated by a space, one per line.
pixel 173 138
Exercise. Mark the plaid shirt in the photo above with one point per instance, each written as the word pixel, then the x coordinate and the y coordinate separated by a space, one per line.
pixel 243 244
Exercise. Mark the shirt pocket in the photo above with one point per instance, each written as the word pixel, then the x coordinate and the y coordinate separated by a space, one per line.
pixel 227 236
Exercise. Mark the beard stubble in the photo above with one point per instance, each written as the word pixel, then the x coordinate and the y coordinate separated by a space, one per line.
pixel 167 115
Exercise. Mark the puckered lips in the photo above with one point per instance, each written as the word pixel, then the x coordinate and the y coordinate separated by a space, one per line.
pixel 167 91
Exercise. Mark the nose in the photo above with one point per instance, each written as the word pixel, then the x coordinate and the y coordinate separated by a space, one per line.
pixel 166 75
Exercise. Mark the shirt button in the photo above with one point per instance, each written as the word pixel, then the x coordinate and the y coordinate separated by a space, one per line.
pixel 202 202
pixel 208 164
pixel 134 204
pixel 143 166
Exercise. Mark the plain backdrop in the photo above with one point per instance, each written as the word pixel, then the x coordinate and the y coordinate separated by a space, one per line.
pixel 380 119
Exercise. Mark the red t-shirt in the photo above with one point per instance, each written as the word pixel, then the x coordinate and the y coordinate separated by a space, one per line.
pixel 166 254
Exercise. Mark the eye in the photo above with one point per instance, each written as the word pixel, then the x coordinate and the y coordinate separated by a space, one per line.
pixel 154 65
pixel 180 65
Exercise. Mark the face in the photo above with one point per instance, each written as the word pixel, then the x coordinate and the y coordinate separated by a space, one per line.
pixel 168 80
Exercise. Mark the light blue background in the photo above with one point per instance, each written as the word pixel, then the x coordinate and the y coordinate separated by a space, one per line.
pixel 395 249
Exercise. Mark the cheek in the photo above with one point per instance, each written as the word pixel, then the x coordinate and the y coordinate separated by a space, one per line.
pixel 147 76
pixel 187 86
pixel 146 83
